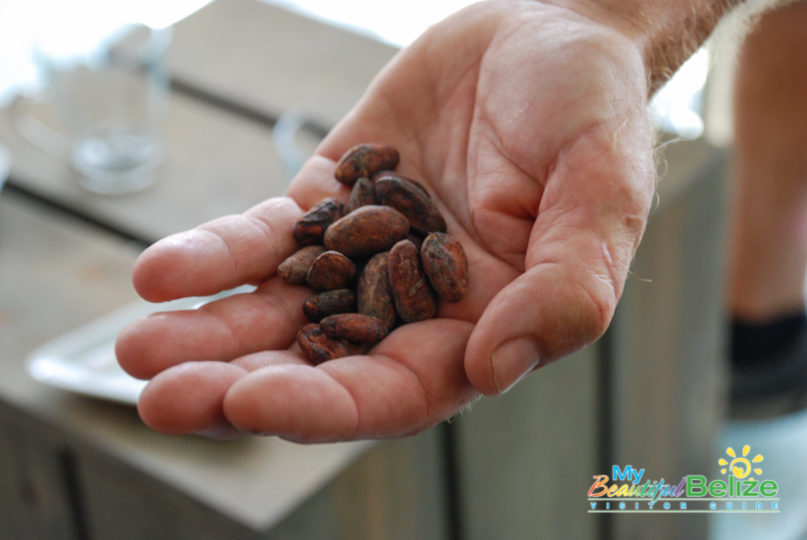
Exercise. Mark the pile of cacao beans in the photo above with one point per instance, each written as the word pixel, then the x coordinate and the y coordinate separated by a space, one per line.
pixel 382 260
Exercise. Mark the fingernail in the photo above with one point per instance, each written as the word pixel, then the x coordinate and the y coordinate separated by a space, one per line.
pixel 512 361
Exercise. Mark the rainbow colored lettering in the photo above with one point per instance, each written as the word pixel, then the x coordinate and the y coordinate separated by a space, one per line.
pixel 625 491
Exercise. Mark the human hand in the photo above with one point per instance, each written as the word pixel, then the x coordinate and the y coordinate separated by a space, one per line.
pixel 527 123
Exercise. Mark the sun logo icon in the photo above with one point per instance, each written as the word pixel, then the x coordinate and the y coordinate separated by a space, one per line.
pixel 740 466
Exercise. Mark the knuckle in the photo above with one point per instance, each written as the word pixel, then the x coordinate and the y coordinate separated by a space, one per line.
pixel 590 307
pixel 598 303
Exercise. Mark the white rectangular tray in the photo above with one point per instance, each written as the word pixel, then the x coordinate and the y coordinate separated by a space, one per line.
pixel 83 360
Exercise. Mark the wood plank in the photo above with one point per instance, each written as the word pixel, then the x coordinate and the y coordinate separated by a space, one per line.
pixel 33 495
pixel 396 491
pixel 273 59
pixel 667 378
pixel 217 163
pixel 393 492
pixel 254 482
pixel 49 285
pixel 124 503
pixel 526 458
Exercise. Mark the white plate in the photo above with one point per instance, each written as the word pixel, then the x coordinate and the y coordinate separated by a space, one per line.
pixel 83 360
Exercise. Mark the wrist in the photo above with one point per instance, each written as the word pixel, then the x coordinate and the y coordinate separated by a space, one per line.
pixel 666 32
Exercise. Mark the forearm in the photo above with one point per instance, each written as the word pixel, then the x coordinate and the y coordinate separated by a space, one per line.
pixel 666 31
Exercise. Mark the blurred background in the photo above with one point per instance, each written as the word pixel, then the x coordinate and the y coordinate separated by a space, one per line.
pixel 216 105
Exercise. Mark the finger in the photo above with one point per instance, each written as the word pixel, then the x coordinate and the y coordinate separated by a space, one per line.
pixel 219 255
pixel 234 250
pixel 188 399
pixel 258 360
pixel 411 381
pixel 222 330
pixel 591 218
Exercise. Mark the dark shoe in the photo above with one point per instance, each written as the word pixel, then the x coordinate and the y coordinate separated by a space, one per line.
pixel 768 367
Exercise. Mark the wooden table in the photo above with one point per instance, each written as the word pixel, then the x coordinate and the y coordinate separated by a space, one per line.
pixel 512 467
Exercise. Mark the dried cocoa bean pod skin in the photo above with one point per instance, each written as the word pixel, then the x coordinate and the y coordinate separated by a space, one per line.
pixel 317 347
pixel 362 195
pixel 413 296
pixel 310 228
pixel 354 327
pixel 331 270
pixel 294 269
pixel 366 230
pixel 445 265
pixel 374 293
pixel 411 201
pixel 327 303
pixel 365 160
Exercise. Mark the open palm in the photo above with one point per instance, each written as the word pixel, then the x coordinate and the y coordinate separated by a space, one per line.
pixel 527 123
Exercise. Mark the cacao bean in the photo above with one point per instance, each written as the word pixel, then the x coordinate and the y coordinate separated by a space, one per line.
pixel 445 265
pixel 294 269
pixel 354 327
pixel 310 228
pixel 327 303
pixel 418 241
pixel 366 230
pixel 413 296
pixel 365 160
pixel 408 181
pixel 412 201
pixel 374 293
pixel 362 195
pixel 386 211
pixel 317 347
pixel 331 270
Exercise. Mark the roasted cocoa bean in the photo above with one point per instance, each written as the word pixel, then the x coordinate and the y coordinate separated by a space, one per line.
pixel 386 211
pixel 327 303
pixel 445 265
pixel 418 241
pixel 365 160
pixel 408 181
pixel 317 347
pixel 310 228
pixel 379 174
pixel 413 296
pixel 354 327
pixel 374 293
pixel 412 200
pixel 294 269
pixel 366 230
pixel 331 270
pixel 362 195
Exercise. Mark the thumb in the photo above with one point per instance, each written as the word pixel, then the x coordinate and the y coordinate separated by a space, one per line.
pixel 591 217
pixel 544 314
